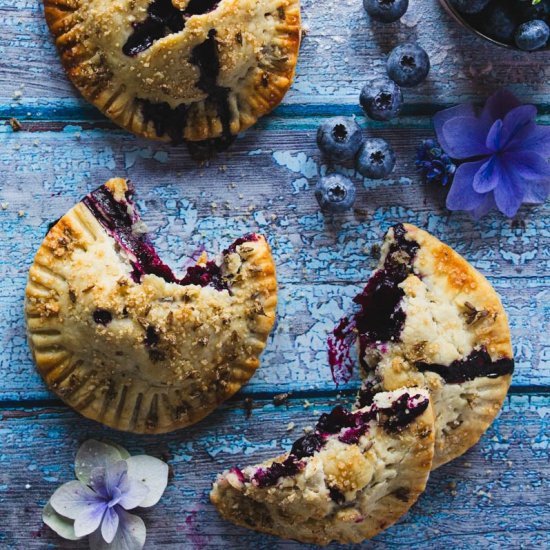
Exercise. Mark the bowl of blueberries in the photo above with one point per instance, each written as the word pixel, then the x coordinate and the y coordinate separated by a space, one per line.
pixel 517 24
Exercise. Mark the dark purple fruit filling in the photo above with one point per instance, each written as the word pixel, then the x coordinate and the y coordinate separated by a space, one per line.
pixel 205 275
pixel 115 217
pixel 307 445
pixel 379 317
pixel 352 435
pixel 163 19
pixel 238 472
pixel 335 420
pixel 477 365
pixel 403 411
pixel 102 316
pixel 249 237
pixel 336 495
pixel 365 396
pixel 267 477
pixel 171 122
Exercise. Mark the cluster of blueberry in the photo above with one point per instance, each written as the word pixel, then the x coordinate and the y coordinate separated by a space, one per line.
pixel 340 139
pixel 524 23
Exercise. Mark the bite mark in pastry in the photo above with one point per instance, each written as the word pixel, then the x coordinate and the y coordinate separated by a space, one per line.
pixel 177 70
pixel 124 341
pixel 427 318
pixel 351 478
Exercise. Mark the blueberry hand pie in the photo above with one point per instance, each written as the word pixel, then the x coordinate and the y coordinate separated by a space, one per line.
pixel 428 318
pixel 124 341
pixel 352 477
pixel 177 70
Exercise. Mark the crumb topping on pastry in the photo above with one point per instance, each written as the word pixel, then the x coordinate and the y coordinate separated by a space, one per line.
pixel 178 70
pixel 122 339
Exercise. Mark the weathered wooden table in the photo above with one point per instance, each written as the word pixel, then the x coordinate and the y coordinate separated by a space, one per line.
pixel 495 496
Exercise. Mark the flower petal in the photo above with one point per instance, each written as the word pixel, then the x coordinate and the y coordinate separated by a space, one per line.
pixel 515 121
pixel 465 137
pixel 97 482
pixel 494 137
pixel 73 497
pixel 439 119
pixel 498 106
pixel 527 165
pixel 508 194
pixel 95 454
pixel 63 526
pixel 462 195
pixel 152 472
pixel 130 534
pixel 532 138
pixel 488 176
pixel 109 525
pixel 89 519
pixel 536 192
pixel 114 475
pixel 487 204
pixel 134 492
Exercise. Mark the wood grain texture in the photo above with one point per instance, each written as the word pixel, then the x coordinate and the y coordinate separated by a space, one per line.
pixel 265 183
pixel 496 493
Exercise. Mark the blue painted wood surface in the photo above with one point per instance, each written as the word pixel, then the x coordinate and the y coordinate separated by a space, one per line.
pixel 496 495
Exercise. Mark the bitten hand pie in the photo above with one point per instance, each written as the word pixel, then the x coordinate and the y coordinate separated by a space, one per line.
pixel 124 341
pixel 427 318
pixel 351 478
pixel 177 70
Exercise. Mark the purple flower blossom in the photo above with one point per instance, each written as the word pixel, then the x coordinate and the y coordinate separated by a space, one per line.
pixel 434 165
pixel 505 151
pixel 110 482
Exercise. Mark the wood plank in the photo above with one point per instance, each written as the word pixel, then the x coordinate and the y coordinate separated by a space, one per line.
pixel 264 184
pixel 341 48
pixel 496 496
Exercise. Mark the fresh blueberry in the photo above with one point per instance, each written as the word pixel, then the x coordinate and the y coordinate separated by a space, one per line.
pixel 386 11
pixel 500 23
pixel 408 65
pixel 375 159
pixel 339 138
pixel 335 193
pixel 470 6
pixel 532 35
pixel 381 99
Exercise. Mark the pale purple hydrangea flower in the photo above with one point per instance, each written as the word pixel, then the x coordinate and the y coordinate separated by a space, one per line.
pixel 504 154
pixel 110 482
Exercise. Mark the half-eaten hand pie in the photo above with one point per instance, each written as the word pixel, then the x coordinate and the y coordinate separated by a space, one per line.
pixel 351 478
pixel 427 318
pixel 177 70
pixel 122 340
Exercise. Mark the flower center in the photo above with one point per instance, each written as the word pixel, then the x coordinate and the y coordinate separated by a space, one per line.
pixel 115 497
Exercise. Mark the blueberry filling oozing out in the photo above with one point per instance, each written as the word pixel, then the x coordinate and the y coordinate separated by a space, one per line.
pixel 163 19
pixel 172 121
pixel 476 365
pixel 379 318
pixel 119 217
pixel 350 427
pixel 102 316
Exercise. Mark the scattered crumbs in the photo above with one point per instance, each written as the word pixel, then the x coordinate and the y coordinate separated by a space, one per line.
pixel 290 426
pixel 467 465
pixel 21 213
pixel 281 398
pixel 214 205
pixel 4 205
pixel 308 429
pixel 248 404
pixel 452 488
pixel 28 486
pixel 316 412
pixel 482 493
pixel 223 168
pixel 307 404
pixel 15 124
pixel 509 463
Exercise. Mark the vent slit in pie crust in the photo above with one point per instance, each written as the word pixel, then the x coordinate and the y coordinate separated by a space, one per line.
pixel 123 340
pixel 351 478
pixel 179 70
pixel 427 318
